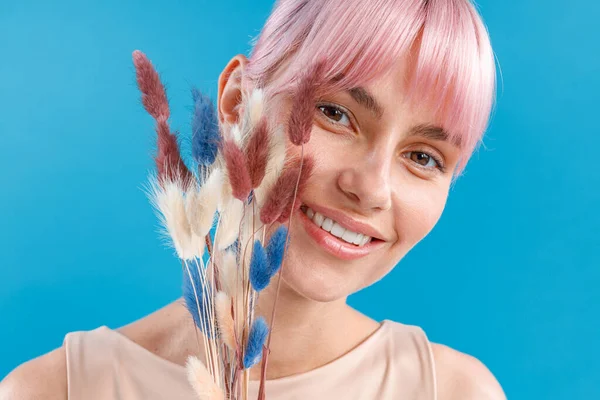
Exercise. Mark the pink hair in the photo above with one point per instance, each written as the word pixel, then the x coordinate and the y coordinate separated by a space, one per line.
pixel 454 70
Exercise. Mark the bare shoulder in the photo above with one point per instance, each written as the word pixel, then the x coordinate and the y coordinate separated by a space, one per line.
pixel 167 332
pixel 44 377
pixel 461 376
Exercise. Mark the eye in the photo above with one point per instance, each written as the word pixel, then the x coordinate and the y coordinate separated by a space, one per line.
pixel 335 114
pixel 426 160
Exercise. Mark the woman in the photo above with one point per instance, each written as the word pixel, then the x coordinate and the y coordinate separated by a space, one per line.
pixel 409 93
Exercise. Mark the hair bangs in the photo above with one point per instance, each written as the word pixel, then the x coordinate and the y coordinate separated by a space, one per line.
pixel 356 46
pixel 452 66
pixel 455 72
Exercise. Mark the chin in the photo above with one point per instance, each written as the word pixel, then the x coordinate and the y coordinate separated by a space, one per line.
pixel 309 275
pixel 313 286
pixel 313 273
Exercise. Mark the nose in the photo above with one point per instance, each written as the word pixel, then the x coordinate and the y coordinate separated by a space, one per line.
pixel 366 181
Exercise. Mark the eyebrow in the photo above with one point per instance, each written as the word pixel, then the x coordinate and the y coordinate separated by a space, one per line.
pixel 366 99
pixel 433 132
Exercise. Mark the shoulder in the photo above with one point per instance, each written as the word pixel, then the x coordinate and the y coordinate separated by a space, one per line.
pixel 44 377
pixel 461 376
pixel 168 333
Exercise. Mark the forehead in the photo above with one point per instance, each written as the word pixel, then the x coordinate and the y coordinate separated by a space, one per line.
pixel 391 92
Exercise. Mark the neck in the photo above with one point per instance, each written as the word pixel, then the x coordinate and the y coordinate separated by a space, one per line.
pixel 306 333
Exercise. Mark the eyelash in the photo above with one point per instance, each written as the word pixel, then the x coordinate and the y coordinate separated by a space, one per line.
pixel 336 108
pixel 440 165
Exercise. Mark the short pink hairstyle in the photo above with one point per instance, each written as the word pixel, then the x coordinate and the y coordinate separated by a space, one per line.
pixel 454 70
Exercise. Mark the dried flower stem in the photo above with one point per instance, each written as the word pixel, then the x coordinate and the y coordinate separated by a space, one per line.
pixel 266 349
pixel 202 328
pixel 208 245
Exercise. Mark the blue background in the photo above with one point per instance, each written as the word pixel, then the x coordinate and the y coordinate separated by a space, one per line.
pixel 510 274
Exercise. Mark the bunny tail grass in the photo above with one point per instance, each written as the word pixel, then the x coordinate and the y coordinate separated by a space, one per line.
pixel 256 340
pixel 226 195
pixel 257 152
pixel 259 268
pixel 232 282
pixel 249 227
pixel 256 105
pixel 205 129
pixel 154 98
pixel 302 115
pixel 197 297
pixel 237 170
pixel 275 164
pixel 167 199
pixel 229 225
pixel 281 197
pixel 201 205
pixel 228 273
pixel 275 249
pixel 198 245
pixel 168 161
pixel 236 135
pixel 287 210
pixel 225 319
pixel 202 381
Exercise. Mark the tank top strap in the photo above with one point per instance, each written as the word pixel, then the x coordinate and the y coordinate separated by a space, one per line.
pixel 89 354
pixel 414 359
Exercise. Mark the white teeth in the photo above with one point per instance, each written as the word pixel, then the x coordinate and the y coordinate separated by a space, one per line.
pixel 358 239
pixel 349 236
pixel 365 240
pixel 336 229
pixel 327 225
pixel 318 219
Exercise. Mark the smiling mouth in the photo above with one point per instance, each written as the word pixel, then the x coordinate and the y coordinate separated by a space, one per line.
pixel 335 229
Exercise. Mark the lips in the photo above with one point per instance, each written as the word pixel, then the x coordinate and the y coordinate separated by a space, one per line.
pixel 347 222
pixel 335 246
pixel 335 228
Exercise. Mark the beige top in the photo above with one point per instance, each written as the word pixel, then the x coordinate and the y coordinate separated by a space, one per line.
pixel 395 362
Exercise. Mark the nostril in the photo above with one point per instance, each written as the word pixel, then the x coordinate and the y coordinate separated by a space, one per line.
pixel 353 196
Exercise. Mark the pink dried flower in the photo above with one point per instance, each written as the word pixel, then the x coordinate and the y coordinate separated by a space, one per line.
pixel 307 168
pixel 169 164
pixel 168 161
pixel 237 169
pixel 154 96
pixel 257 152
pixel 302 114
pixel 282 194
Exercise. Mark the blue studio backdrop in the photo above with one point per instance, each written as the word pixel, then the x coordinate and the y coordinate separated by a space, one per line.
pixel 510 274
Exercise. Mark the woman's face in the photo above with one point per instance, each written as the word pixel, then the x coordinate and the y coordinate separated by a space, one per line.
pixel 375 172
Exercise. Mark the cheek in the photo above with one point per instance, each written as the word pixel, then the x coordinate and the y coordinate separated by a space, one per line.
pixel 327 163
pixel 415 216
pixel 418 210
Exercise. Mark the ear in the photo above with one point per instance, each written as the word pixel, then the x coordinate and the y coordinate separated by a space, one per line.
pixel 230 89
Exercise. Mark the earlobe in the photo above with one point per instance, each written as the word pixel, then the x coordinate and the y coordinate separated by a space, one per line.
pixel 230 89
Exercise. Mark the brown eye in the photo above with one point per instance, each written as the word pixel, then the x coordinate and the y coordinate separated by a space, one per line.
pixel 423 159
pixel 335 114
